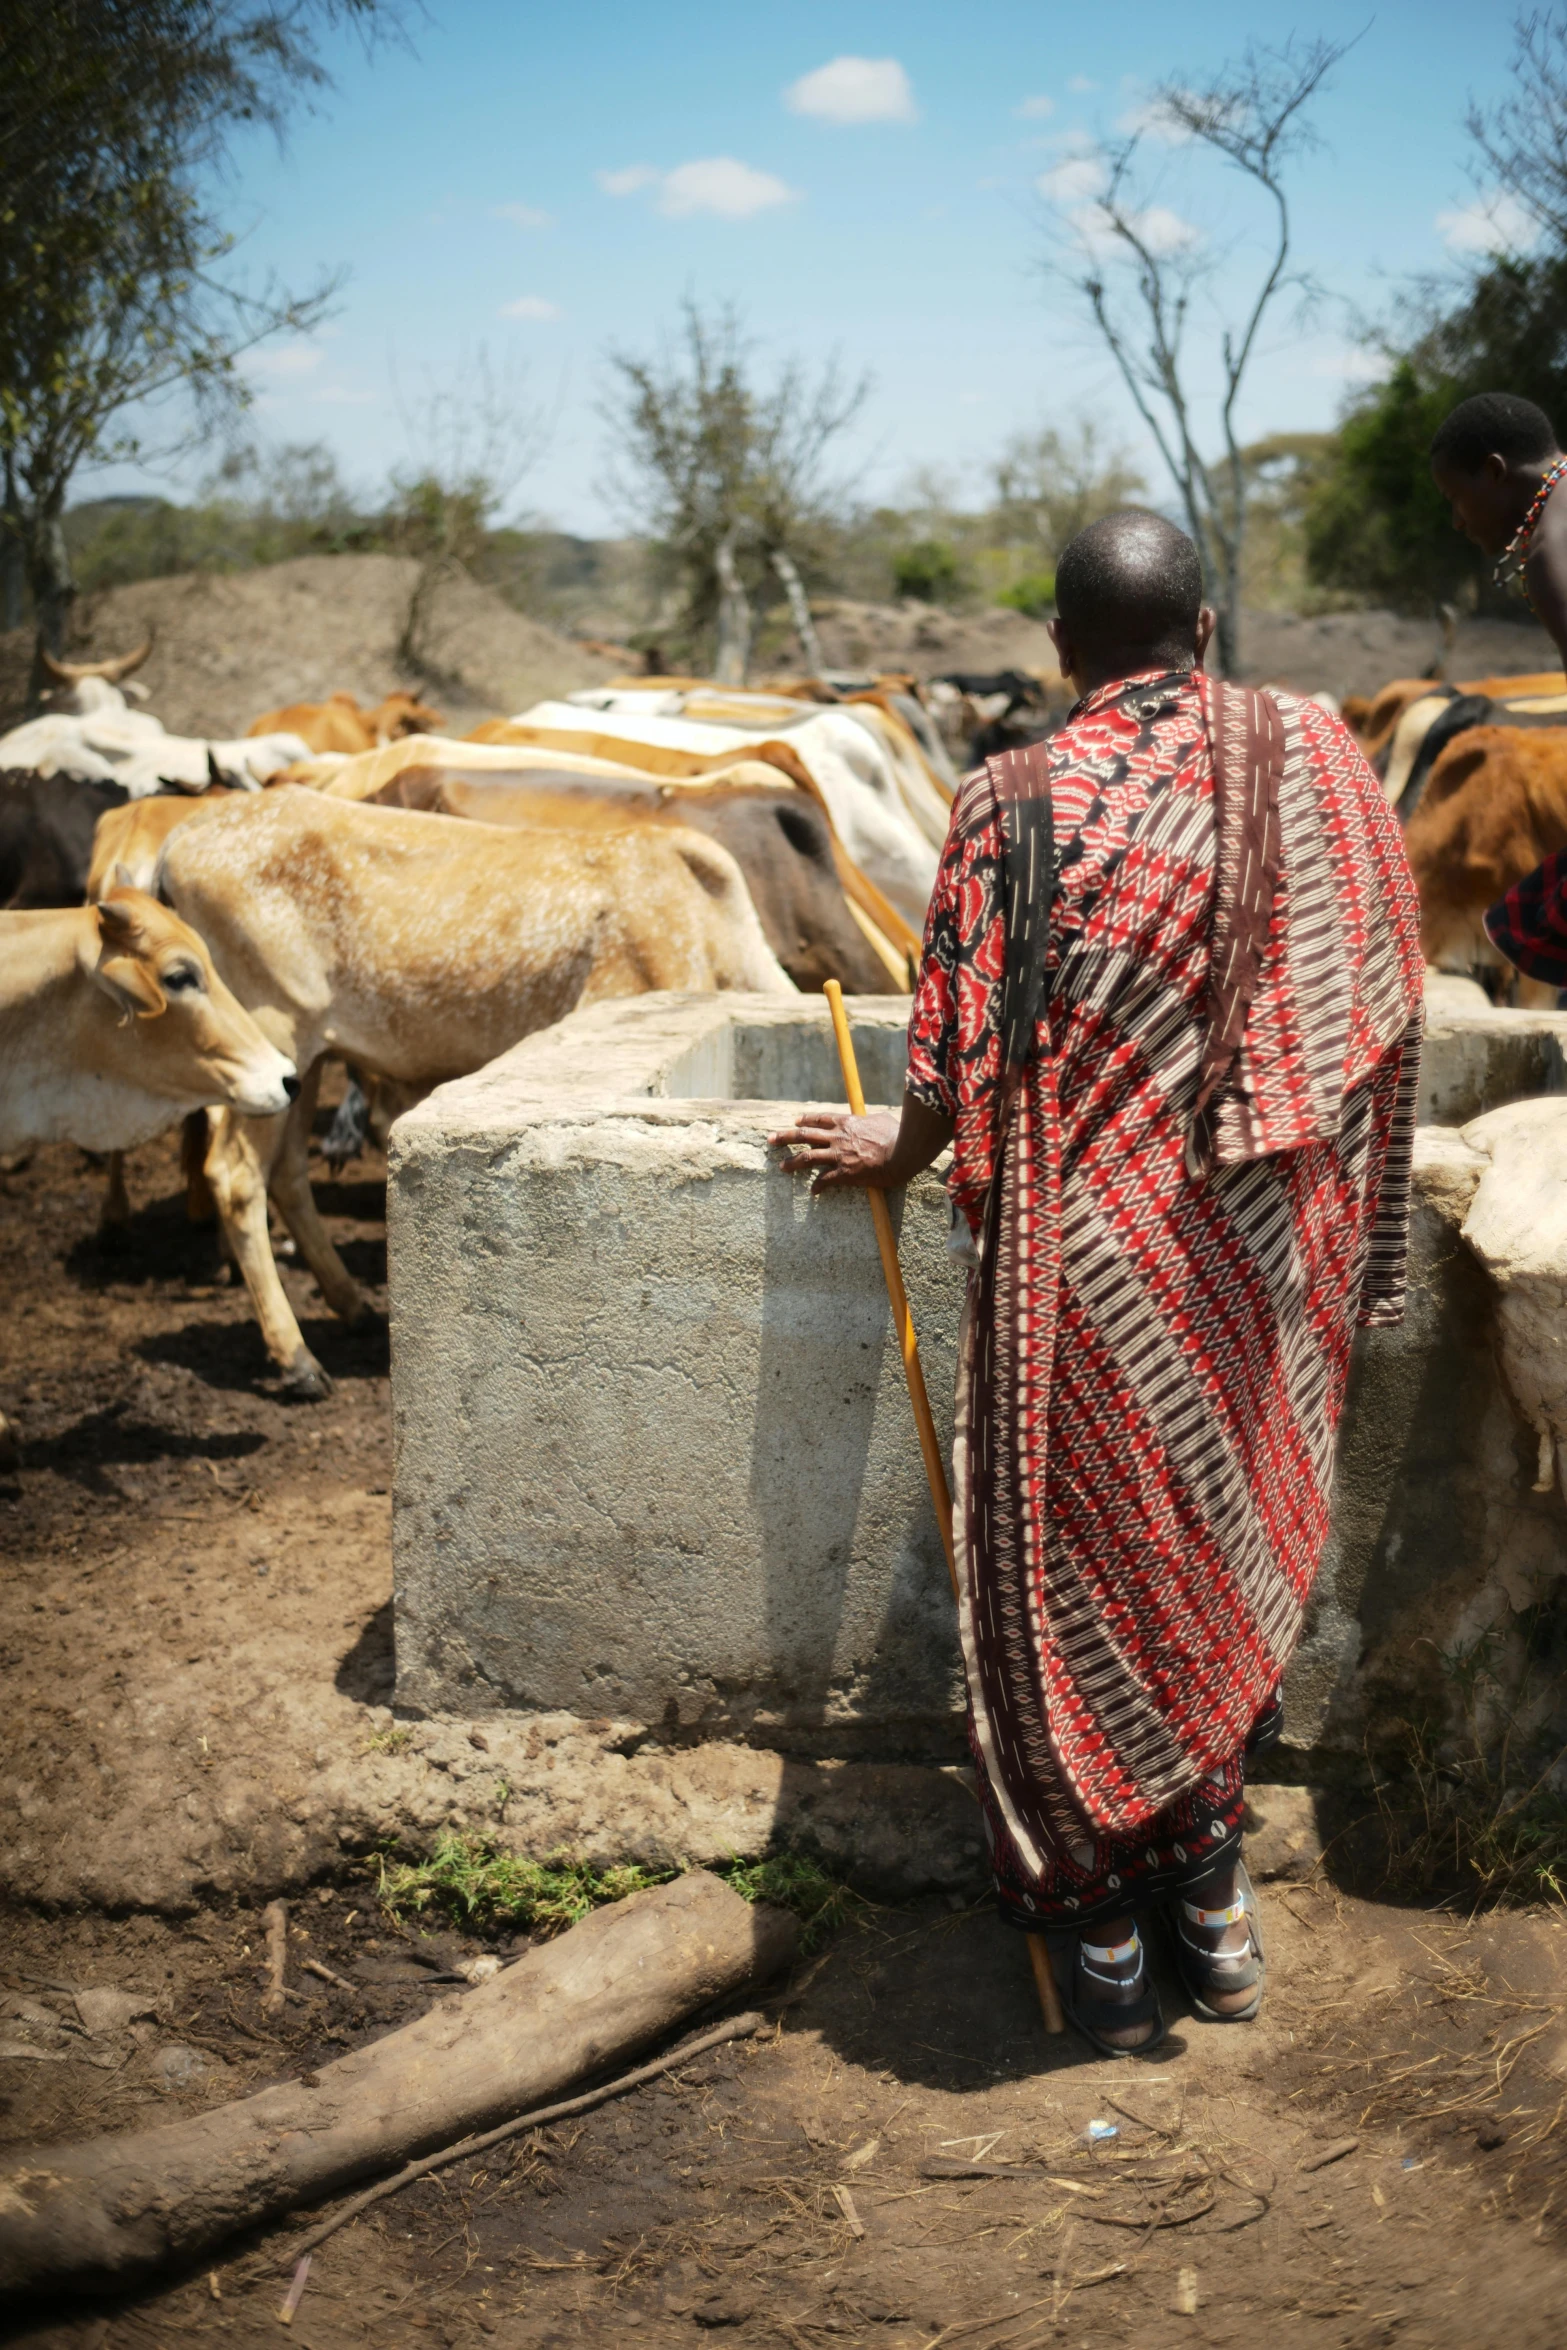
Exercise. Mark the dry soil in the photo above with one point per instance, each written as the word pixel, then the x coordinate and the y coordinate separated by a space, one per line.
pixel 195 1598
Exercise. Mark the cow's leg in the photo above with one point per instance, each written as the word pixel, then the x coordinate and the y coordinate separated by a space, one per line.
pixel 240 1154
pixel 290 1187
pixel 348 1131
pixel 199 1204
pixel 116 1202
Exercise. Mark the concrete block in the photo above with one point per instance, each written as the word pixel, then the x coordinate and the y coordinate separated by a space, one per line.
pixel 655 1453
pixel 655 1459
pixel 1475 1060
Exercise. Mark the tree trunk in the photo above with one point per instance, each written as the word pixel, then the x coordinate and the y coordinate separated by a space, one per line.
pixel 1226 637
pixel 53 586
pixel 733 653
pixel 13 561
pixel 800 612
pixel 117 2209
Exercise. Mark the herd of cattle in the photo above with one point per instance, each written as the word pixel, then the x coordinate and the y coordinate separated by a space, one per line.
pixel 194 928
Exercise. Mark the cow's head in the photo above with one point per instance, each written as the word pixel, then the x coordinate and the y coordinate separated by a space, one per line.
pixel 81 687
pixel 190 1040
pixel 400 714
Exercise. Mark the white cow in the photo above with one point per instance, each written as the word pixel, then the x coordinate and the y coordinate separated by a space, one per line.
pixel 90 730
pixel 862 789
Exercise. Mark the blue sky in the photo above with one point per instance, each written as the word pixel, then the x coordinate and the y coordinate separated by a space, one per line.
pixel 549 182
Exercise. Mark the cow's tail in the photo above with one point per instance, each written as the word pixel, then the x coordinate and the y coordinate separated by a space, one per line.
pixel 742 957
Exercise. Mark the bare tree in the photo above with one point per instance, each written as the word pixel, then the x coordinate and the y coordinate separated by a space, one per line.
pixel 727 475
pixel 1139 270
pixel 1522 140
pixel 473 437
pixel 1049 485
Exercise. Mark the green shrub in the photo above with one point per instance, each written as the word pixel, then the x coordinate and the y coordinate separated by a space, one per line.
pixel 928 571
pixel 1034 593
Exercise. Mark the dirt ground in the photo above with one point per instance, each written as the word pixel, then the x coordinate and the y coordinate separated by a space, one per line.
pixel 193 1575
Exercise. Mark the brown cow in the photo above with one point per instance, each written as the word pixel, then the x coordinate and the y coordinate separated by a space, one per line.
pixel 419 948
pixel 1371 718
pixel 113 1023
pixel 1536 684
pixel 338 724
pixel 1495 805
pixel 128 841
pixel 780 840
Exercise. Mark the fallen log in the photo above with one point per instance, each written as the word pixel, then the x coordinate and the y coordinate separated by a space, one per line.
pixel 115 2210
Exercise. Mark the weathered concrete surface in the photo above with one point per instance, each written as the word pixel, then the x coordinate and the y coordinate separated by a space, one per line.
pixel 1439 1541
pixel 1477 1059
pixel 655 1458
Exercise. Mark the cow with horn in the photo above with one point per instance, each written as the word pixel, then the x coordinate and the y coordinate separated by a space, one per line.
pixel 89 730
pixel 77 689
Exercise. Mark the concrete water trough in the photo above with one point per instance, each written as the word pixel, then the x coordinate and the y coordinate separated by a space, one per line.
pixel 655 1460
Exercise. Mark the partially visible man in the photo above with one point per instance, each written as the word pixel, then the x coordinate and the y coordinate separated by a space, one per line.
pixel 1496 460
pixel 1168 1016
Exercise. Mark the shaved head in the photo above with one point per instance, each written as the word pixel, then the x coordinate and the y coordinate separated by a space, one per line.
pixel 1129 594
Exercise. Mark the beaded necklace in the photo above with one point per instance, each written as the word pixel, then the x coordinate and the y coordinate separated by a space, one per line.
pixel 1510 563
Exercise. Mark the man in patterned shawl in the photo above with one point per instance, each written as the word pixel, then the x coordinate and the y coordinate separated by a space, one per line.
pixel 1168 1018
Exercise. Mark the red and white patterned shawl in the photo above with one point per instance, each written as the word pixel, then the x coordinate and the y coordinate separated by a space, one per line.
pixel 1185 1197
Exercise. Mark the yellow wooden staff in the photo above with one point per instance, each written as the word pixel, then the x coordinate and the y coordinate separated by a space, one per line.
pixel 930 1443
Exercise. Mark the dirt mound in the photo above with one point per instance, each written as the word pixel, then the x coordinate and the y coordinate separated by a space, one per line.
pixel 923 638
pixel 1339 652
pixel 1358 652
pixel 231 645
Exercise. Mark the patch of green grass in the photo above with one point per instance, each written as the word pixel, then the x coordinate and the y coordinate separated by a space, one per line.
pixel 788 1880
pixel 394 1741
pixel 470 1880
pixel 473 1882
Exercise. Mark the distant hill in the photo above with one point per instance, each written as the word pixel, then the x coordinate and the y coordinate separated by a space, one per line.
pixel 230 645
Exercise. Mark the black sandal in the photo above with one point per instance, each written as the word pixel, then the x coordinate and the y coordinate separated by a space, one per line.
pixel 1203 1970
pixel 1095 2017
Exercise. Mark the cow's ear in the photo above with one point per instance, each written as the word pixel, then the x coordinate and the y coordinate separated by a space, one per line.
pixel 124 978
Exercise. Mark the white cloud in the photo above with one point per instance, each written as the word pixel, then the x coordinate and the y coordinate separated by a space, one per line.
pixel 722 186
pixel 287 359
pixel 1080 85
pixel 1077 181
pixel 1036 109
pixel 530 306
pixel 523 215
pixel 1164 231
pixel 854 89
pixel 628 182
pixel 1154 120
pixel 1496 223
